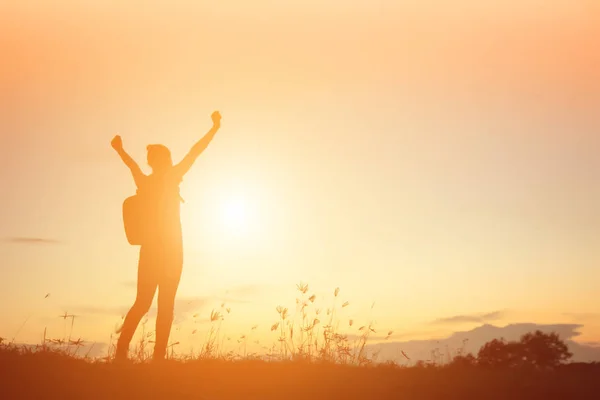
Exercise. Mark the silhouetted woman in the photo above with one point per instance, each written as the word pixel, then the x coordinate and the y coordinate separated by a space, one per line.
pixel 161 251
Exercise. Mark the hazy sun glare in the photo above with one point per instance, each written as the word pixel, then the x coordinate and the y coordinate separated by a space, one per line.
pixel 236 216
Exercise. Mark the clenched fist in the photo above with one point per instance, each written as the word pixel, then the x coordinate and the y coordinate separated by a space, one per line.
pixel 117 143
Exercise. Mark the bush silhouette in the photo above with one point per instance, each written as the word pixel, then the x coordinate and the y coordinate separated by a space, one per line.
pixel 464 361
pixel 535 350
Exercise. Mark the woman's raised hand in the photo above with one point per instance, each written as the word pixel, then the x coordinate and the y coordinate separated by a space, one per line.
pixel 117 143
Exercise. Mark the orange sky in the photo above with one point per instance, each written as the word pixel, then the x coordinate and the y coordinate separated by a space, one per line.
pixel 439 158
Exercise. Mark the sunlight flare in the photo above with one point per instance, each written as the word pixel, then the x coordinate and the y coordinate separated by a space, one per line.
pixel 236 217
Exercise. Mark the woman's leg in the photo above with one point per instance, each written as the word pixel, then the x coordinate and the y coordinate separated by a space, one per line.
pixel 167 290
pixel 146 287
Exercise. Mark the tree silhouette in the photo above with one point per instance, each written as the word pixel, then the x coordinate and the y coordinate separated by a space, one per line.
pixel 543 350
pixel 536 350
pixel 500 354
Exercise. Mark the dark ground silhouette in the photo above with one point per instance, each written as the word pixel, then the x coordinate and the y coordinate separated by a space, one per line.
pixel 49 375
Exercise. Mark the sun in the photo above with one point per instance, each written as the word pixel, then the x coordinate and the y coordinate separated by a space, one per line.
pixel 232 219
pixel 236 215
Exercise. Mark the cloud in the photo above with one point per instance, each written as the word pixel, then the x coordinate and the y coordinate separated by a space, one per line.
pixel 191 304
pixel 93 310
pixel 232 295
pixel 580 317
pixel 184 305
pixel 595 344
pixel 476 318
pixel 240 294
pixel 30 240
pixel 380 335
pixel 353 337
pixel 246 290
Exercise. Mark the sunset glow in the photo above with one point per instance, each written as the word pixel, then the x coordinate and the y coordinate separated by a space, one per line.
pixel 438 159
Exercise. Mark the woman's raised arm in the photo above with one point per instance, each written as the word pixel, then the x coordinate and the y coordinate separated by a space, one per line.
pixel 136 171
pixel 184 165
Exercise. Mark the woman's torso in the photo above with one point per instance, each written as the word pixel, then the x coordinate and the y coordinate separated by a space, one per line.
pixel 161 199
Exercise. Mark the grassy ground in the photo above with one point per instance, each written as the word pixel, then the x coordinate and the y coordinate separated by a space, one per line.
pixel 339 368
pixel 50 375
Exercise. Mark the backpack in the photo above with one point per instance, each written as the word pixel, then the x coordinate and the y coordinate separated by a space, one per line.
pixel 134 219
pixel 137 217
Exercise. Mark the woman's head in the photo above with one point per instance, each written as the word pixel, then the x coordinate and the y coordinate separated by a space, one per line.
pixel 159 157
